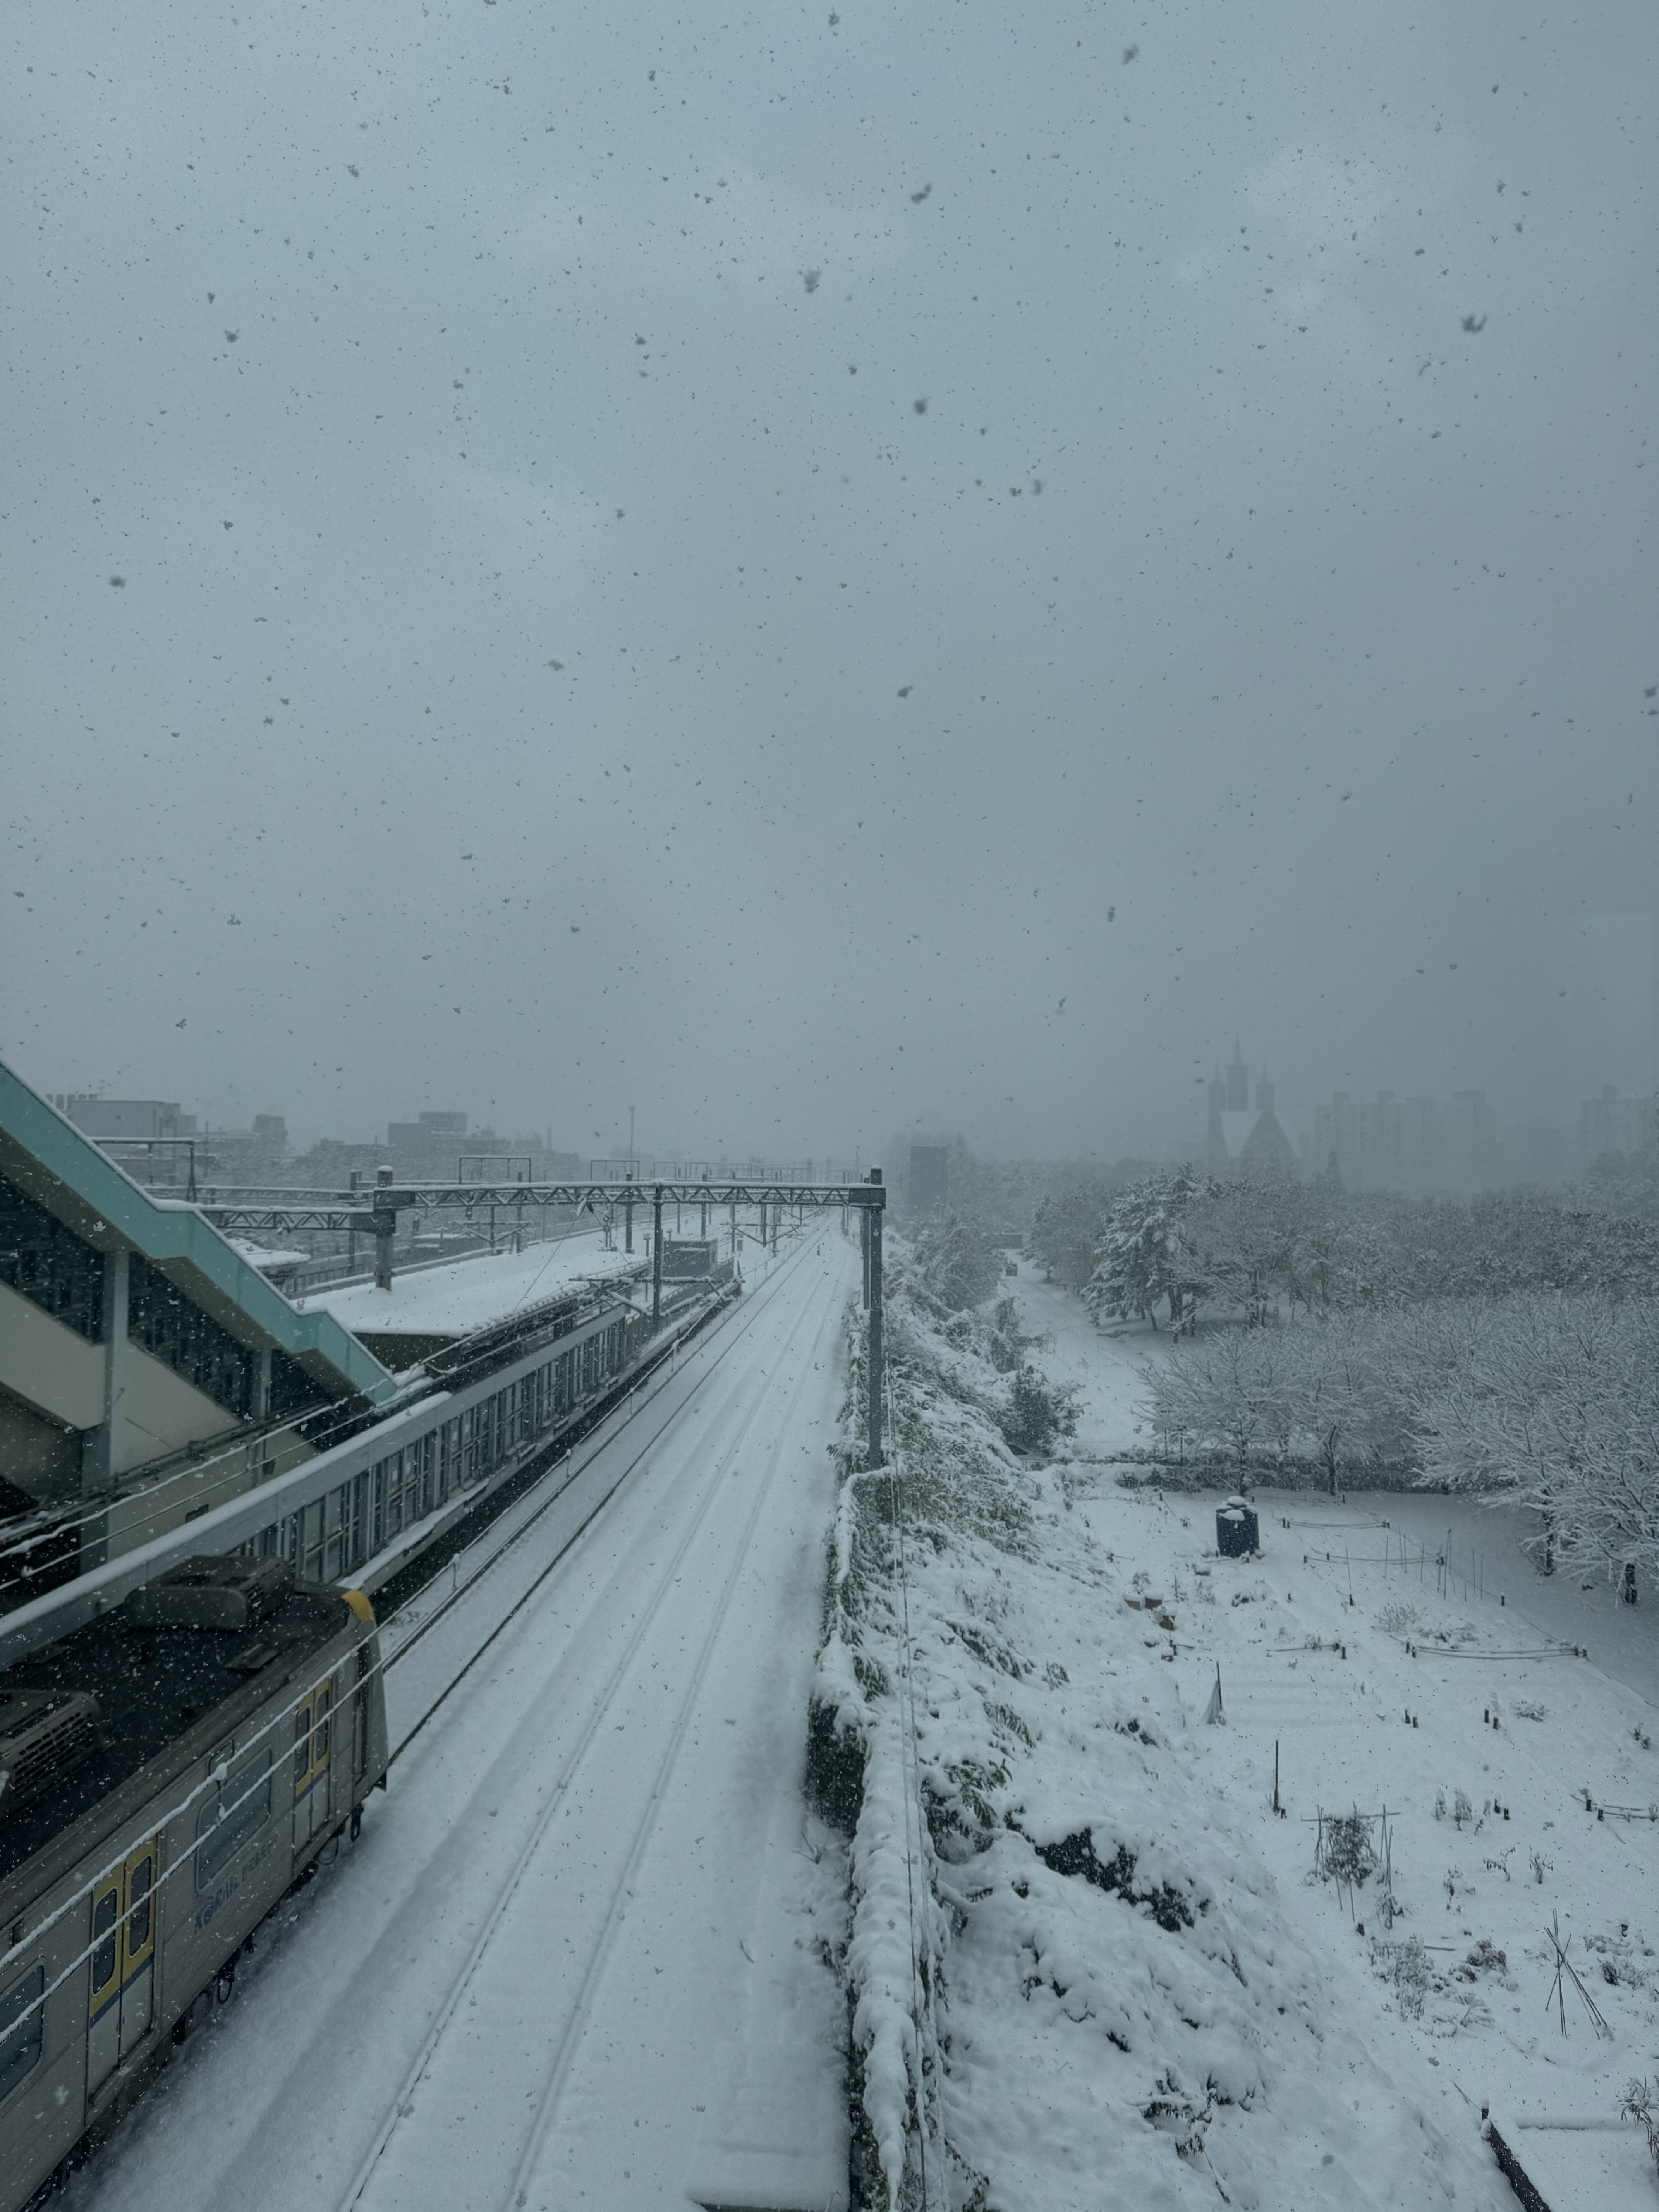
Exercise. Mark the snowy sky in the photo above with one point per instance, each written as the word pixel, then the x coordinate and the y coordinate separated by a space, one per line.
pixel 560 661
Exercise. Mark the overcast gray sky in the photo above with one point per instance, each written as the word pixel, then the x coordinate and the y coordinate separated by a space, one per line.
pixel 560 661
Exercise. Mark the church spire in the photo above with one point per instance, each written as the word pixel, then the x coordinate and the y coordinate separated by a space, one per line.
pixel 1238 1081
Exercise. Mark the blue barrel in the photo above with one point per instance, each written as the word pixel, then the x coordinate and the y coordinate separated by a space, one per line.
pixel 1237 1535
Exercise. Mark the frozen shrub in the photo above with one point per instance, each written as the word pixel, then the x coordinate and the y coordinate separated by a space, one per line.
pixel 1461 1809
pixel 1037 1412
pixel 1406 1965
pixel 1484 1958
pixel 1637 2103
pixel 1348 1858
pixel 1076 1855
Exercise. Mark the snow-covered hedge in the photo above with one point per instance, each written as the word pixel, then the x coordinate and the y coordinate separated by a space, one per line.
pixel 955 1379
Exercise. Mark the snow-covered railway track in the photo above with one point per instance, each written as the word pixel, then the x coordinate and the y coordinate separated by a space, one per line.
pixel 406 1627
pixel 446 2135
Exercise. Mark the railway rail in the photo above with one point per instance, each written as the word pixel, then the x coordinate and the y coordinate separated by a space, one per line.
pixel 487 1954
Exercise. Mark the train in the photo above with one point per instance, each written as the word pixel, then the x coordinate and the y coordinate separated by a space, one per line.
pixel 168 1772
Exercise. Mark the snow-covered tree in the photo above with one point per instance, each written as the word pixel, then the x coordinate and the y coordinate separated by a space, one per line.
pixel 1225 1392
pixel 957 1262
pixel 1555 1406
pixel 1067 1230
pixel 1234 1242
pixel 1143 1260
pixel 1342 1400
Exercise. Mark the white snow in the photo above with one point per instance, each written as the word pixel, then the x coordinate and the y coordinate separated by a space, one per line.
pixel 1201 1806
pixel 608 1812
pixel 468 1294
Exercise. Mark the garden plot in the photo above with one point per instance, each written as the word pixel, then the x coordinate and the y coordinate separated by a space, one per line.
pixel 1425 2010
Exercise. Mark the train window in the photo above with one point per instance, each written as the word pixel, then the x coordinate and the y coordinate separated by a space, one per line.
pixel 104 1915
pixel 302 1747
pixel 320 1742
pixel 138 1905
pixel 239 1810
pixel 23 2028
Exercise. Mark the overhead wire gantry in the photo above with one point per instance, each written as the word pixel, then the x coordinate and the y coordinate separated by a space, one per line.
pixel 372 1210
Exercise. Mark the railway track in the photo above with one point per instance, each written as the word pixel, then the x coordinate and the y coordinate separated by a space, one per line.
pixel 561 1701
pixel 504 1955
pixel 540 1498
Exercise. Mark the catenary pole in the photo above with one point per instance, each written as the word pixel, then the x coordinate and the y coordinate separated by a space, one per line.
pixel 872 1457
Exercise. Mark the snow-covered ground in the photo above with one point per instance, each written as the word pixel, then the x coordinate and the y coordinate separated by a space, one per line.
pixel 1331 1683
pixel 576 1958
pixel 471 1293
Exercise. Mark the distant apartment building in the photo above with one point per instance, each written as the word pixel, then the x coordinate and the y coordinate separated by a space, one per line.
pixel 1613 1123
pixel 929 1181
pixel 244 1155
pixel 1539 1154
pixel 101 1119
pixel 431 1132
pixel 1415 1145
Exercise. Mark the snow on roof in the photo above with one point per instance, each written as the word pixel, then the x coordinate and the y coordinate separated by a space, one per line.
pixel 471 1293
pixel 263 1257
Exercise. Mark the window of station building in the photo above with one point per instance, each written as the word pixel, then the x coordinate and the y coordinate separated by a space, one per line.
pixel 237 1809
pixel 292 1390
pixel 22 2027
pixel 173 1329
pixel 48 1264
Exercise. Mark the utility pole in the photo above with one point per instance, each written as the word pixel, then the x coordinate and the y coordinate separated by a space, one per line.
pixel 656 1258
pixel 631 1141
pixel 872 1457
pixel 628 1210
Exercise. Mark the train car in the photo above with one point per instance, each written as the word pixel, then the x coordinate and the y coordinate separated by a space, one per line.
pixel 167 1774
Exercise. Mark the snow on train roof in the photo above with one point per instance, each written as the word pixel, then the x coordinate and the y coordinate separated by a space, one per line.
pixel 469 1294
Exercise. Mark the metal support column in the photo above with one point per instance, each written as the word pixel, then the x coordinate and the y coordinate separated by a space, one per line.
pixel 872 1457
pixel 864 1250
pixel 101 1448
pixel 386 1229
pixel 627 1218
pixel 703 1225
pixel 734 1228
pixel 656 1257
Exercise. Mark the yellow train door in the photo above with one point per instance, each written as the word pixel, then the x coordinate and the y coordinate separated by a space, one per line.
pixel 121 1993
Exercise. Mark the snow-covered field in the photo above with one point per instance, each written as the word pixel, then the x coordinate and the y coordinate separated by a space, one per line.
pixel 576 1958
pixel 1148 1998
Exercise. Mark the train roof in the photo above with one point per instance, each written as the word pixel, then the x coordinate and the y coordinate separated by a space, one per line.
pixel 177 1668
